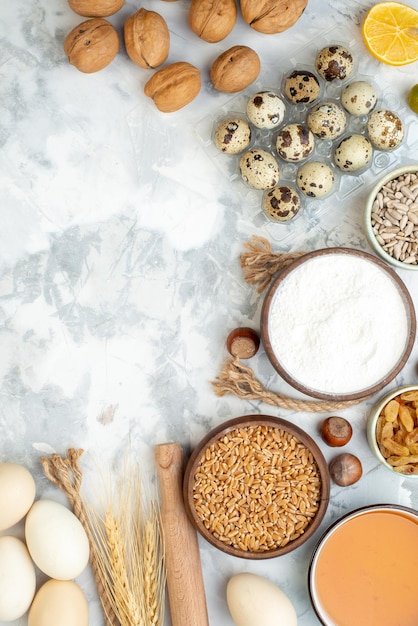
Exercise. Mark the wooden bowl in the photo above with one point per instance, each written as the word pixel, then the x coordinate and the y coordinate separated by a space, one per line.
pixel 241 478
pixel 334 369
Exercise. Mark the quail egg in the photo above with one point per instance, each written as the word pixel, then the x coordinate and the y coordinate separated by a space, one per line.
pixel 266 109
pixel 359 98
pixel 232 135
pixel 301 87
pixel 326 120
pixel 385 129
pixel 334 62
pixel 295 142
pixel 353 153
pixel 315 179
pixel 259 169
pixel 281 203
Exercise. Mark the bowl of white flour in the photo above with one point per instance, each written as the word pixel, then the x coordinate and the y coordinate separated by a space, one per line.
pixel 338 324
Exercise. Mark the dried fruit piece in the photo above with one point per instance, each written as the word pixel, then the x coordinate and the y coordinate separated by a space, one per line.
pixel 212 20
pixel 345 469
pixel 336 431
pixel 174 86
pixel 92 45
pixel 391 411
pixel 235 69
pixel 147 38
pixel 272 16
pixel 96 8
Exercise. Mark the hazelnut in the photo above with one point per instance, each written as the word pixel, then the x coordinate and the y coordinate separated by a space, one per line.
pixel 345 469
pixel 174 86
pixel 92 45
pixel 95 8
pixel 272 16
pixel 243 342
pixel 336 431
pixel 235 69
pixel 147 39
pixel 212 20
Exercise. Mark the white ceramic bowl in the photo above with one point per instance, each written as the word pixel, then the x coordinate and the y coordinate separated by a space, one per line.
pixel 358 574
pixel 371 429
pixel 371 236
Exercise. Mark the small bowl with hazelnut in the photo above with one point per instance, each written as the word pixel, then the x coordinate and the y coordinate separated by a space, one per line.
pixel 392 431
pixel 256 487
pixel 391 217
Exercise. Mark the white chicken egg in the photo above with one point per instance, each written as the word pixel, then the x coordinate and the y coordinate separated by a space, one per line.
pixel 359 98
pixel 17 578
pixel 353 153
pixel 59 603
pixel 17 493
pixel 255 601
pixel 56 540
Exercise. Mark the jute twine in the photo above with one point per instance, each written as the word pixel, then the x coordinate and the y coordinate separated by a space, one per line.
pixel 67 475
pixel 260 264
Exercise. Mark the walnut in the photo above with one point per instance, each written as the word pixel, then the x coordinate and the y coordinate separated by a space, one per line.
pixel 147 39
pixel 272 16
pixel 235 69
pixel 96 8
pixel 92 45
pixel 212 20
pixel 174 86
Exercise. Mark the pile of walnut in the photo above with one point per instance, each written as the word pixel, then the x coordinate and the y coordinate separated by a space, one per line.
pixel 93 44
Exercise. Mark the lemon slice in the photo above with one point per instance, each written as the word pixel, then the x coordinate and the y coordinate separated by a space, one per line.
pixel 390 33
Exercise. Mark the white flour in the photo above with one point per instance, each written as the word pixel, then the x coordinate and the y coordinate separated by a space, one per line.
pixel 338 324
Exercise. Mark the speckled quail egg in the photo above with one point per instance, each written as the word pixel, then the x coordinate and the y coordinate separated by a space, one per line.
pixel 301 87
pixel 259 169
pixel 295 142
pixel 359 98
pixel 315 179
pixel 385 129
pixel 327 120
pixel 266 109
pixel 281 203
pixel 334 62
pixel 232 135
pixel 353 153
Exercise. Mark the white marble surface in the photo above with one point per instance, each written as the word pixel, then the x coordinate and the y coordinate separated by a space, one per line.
pixel 119 260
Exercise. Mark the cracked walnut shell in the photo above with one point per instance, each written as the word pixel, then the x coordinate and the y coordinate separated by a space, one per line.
pixel 147 38
pixel 235 69
pixel 174 86
pixel 272 16
pixel 92 45
pixel 96 8
pixel 212 20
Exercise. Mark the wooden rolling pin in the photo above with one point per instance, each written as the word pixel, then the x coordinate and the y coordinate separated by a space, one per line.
pixel 186 592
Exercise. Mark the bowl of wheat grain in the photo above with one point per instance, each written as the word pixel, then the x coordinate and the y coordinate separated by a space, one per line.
pixel 256 487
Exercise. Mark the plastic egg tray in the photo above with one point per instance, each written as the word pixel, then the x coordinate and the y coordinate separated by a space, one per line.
pixel 345 183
